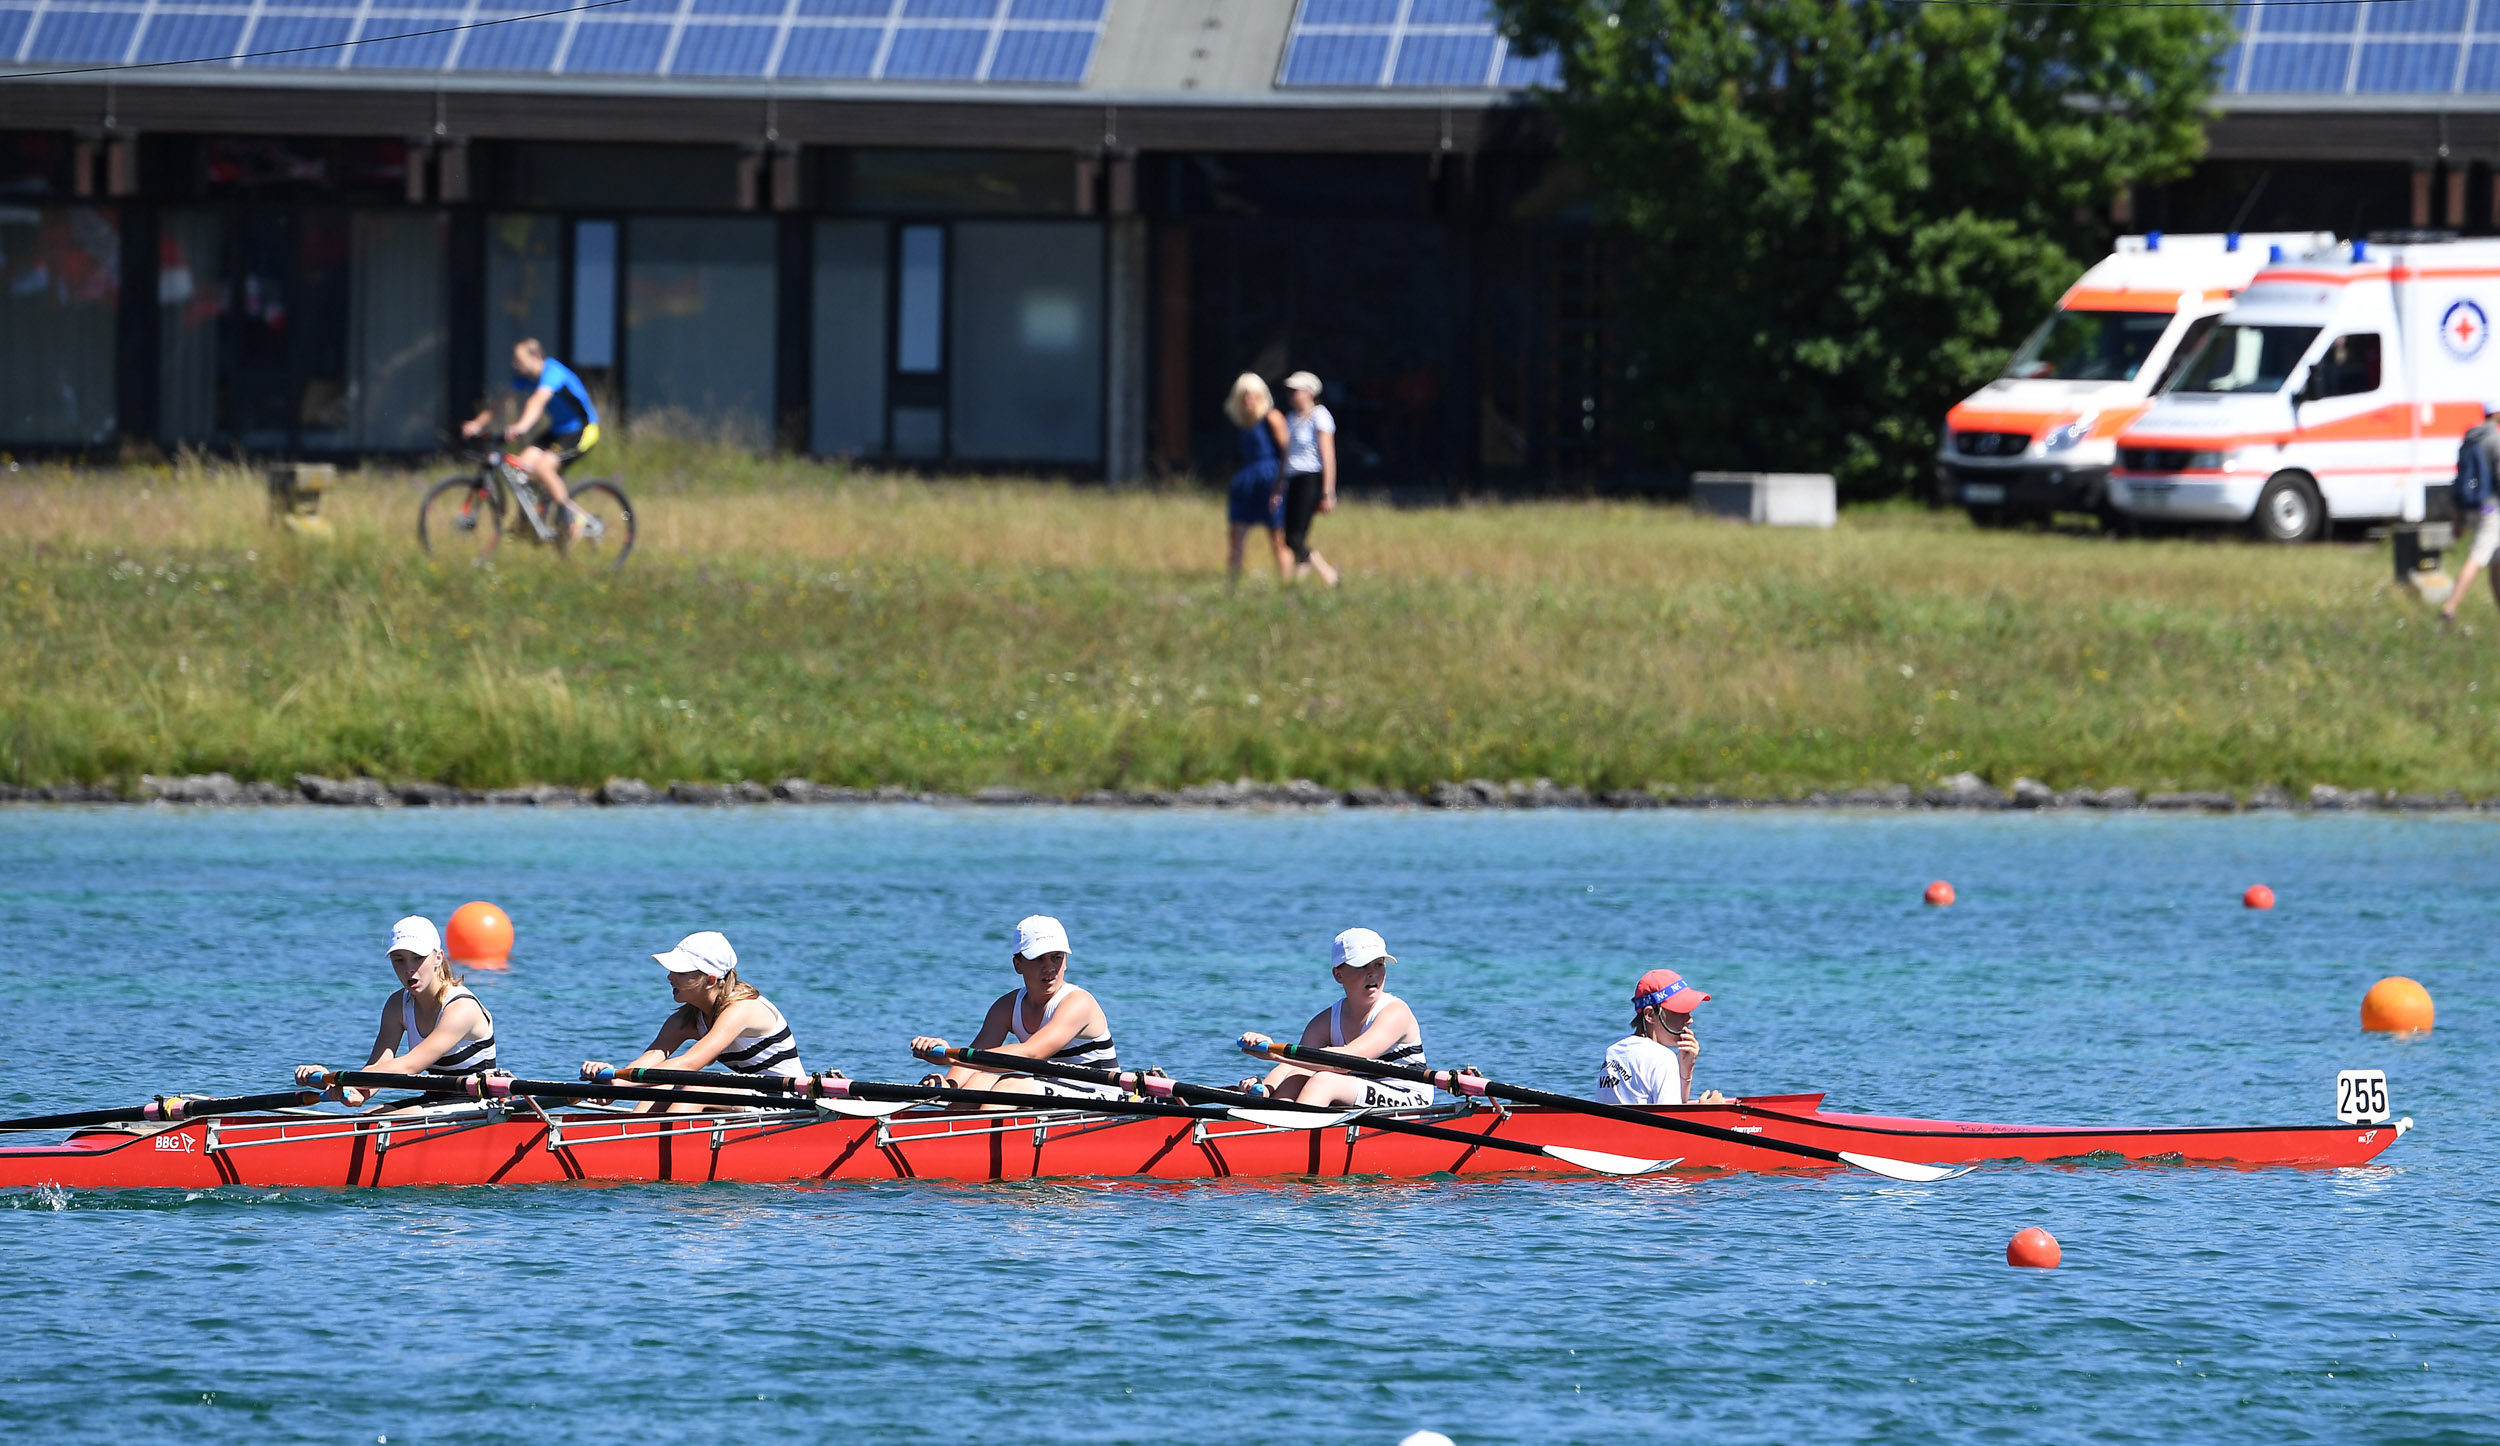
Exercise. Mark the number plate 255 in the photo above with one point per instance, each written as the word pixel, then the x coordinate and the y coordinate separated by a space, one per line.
pixel 2361 1097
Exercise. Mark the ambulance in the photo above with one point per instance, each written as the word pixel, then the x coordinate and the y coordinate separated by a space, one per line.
pixel 2042 437
pixel 2334 390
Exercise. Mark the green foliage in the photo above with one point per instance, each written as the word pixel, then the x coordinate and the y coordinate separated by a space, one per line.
pixel 1843 213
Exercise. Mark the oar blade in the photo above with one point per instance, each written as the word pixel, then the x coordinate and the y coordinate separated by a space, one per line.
pixel 1295 1119
pixel 866 1109
pixel 1606 1164
pixel 1904 1169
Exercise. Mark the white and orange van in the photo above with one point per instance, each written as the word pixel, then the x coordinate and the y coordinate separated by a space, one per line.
pixel 2334 390
pixel 2042 437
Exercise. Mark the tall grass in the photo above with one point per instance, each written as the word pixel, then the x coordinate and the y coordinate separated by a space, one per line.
pixel 783 617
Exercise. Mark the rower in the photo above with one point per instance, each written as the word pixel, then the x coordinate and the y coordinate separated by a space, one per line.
pixel 1045 1018
pixel 1653 1065
pixel 1360 960
pixel 720 1018
pixel 432 1024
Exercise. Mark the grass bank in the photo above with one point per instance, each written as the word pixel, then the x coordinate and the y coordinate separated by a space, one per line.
pixel 787 618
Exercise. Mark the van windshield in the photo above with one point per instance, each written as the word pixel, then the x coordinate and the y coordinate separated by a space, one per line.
pixel 2241 358
pixel 2089 346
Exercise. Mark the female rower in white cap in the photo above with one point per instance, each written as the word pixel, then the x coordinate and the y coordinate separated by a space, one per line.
pixel 432 1024
pixel 1045 1018
pixel 719 1019
pixel 1360 960
pixel 1653 1065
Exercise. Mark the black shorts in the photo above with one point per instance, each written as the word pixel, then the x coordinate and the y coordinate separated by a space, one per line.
pixel 572 449
pixel 1302 494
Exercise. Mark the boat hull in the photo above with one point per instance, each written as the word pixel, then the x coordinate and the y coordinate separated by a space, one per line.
pixel 476 1146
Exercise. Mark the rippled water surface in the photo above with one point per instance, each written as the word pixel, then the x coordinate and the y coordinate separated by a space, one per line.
pixel 2097 969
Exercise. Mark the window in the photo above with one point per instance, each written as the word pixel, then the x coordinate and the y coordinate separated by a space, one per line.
pixel 2236 357
pixel 849 363
pixel 1027 380
pixel 60 292
pixel 525 291
pixel 594 295
pixel 2090 346
pixel 2347 368
pixel 699 322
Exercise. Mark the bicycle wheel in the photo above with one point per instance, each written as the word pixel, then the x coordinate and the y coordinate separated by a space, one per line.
pixel 460 518
pixel 608 523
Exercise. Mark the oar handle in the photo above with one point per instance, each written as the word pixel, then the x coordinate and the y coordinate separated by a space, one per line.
pixel 166 1109
pixel 1145 1083
pixel 1456 1081
pixel 777 1084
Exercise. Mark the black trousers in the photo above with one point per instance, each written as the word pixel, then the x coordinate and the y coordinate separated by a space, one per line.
pixel 1302 493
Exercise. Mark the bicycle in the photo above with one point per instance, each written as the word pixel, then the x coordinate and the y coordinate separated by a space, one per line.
pixel 465 514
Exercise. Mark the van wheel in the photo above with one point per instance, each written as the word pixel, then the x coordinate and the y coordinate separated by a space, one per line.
pixel 2288 510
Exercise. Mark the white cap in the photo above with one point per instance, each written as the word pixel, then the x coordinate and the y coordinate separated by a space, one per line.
pixel 1040 934
pixel 1303 382
pixel 704 953
pixel 1359 947
pixel 416 934
pixel 2491 403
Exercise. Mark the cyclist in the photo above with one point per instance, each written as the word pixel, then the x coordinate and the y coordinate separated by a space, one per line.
pixel 555 395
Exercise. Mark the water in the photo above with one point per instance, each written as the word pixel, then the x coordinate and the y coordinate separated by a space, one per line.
pixel 2097 969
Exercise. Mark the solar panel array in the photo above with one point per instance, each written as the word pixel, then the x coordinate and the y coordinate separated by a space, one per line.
pixel 2421 47
pixel 1412 44
pixel 1047 42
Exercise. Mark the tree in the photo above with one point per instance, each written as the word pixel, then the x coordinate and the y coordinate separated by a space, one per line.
pixel 1841 214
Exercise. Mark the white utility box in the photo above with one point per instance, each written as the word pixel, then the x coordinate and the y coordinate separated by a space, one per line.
pixel 1768 499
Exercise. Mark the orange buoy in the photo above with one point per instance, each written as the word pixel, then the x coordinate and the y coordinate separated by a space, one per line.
pixel 480 936
pixel 2258 897
pixel 2033 1248
pixel 2396 1005
pixel 1940 894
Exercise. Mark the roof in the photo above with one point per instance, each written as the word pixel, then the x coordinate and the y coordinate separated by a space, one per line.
pixel 1140 49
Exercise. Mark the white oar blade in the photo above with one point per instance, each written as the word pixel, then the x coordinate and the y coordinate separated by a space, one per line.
pixel 1606 1164
pixel 1903 1169
pixel 1294 1119
pixel 866 1109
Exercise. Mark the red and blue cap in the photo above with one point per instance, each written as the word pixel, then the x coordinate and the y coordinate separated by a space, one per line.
pixel 1668 990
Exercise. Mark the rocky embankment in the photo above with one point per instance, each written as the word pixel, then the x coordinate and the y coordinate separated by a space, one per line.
pixel 1962 791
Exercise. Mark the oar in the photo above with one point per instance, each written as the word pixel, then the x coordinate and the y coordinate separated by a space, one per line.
pixel 1460 1083
pixel 810 1086
pixel 166 1108
pixel 495 1087
pixel 1290 1114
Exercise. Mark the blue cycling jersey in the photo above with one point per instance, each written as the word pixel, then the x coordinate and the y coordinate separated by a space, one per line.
pixel 570 409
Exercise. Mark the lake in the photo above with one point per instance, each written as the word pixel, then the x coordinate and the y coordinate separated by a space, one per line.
pixel 2099 968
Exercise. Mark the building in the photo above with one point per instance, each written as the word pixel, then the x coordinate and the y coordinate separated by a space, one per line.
pixel 1031 234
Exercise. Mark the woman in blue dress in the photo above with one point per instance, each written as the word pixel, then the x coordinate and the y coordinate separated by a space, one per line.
pixel 1258 492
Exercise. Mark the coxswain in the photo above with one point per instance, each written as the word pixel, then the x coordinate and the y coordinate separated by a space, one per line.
pixel 1360 960
pixel 1653 1065
pixel 1044 1018
pixel 432 1024
pixel 720 1019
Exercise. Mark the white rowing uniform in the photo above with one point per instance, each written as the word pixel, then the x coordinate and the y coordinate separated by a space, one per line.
pixel 1641 1071
pixel 768 1049
pixel 1383 1093
pixel 470 1056
pixel 1091 1051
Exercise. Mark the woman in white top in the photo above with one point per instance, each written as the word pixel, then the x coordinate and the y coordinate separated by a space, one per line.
pixel 1047 1018
pixel 1653 1065
pixel 432 1024
pixel 1310 472
pixel 720 1019
pixel 1369 1021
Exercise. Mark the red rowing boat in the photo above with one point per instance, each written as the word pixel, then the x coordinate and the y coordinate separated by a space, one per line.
pixel 484 1144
